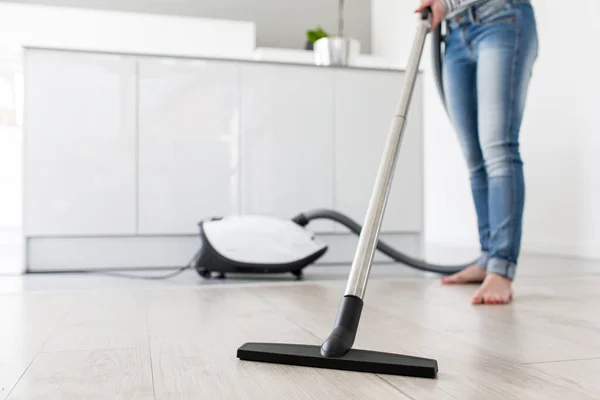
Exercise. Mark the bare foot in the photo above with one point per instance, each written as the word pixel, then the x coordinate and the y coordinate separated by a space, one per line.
pixel 474 274
pixel 495 289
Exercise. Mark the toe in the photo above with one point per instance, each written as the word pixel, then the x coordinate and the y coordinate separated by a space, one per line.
pixel 477 298
pixel 491 299
pixel 451 279
pixel 496 299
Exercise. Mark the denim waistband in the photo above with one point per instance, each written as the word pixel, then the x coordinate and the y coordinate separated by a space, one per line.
pixel 471 14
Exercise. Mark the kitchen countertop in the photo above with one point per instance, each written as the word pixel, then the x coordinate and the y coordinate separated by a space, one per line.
pixel 290 57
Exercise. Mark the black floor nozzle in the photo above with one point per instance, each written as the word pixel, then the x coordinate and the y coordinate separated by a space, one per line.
pixel 354 360
pixel 336 351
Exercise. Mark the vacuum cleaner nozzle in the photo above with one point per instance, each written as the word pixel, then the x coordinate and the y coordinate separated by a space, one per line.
pixel 354 360
pixel 336 352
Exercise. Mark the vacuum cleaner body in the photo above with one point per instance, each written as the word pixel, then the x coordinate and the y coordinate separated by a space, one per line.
pixel 255 244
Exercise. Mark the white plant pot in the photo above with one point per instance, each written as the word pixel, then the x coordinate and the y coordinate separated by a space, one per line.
pixel 336 51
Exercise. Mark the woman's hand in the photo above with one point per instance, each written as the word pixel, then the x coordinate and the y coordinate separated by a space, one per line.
pixel 438 8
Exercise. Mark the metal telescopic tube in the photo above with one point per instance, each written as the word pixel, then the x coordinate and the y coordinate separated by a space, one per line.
pixel 367 242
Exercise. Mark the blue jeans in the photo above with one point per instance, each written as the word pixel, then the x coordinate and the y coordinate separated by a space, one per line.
pixel 490 52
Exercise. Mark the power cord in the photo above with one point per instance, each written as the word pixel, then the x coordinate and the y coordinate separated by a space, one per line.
pixel 179 271
pixel 157 278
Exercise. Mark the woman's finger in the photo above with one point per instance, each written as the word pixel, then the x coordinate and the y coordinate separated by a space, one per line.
pixel 424 4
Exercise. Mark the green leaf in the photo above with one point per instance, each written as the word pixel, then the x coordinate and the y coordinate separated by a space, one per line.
pixel 316 34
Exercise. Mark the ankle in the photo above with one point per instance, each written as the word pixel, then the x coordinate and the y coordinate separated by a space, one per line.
pixel 502 267
pixel 497 276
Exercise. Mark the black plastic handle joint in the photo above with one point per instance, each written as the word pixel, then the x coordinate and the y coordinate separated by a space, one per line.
pixel 426 12
pixel 342 337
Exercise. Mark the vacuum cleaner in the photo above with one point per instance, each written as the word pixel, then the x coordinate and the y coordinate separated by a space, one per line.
pixel 336 352
pixel 260 244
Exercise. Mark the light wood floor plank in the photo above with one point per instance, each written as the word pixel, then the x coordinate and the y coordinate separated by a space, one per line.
pixel 10 372
pixel 27 321
pixel 580 373
pixel 568 328
pixel 101 320
pixel 95 375
pixel 398 322
pixel 194 338
pixel 180 342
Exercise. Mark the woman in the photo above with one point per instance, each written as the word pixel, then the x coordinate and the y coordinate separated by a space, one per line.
pixel 491 48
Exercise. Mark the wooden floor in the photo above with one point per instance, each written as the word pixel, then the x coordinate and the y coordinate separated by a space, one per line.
pixel 179 342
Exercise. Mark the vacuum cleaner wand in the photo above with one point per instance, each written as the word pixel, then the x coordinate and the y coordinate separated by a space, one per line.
pixel 336 351
pixel 342 337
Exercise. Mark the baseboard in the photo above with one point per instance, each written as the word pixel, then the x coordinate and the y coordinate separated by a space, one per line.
pixel 98 253
pixel 588 251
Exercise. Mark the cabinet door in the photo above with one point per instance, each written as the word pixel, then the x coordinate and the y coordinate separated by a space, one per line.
pixel 365 104
pixel 79 144
pixel 287 140
pixel 188 144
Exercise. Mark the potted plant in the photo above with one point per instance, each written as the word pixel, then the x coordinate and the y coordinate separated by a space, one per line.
pixel 336 50
pixel 313 35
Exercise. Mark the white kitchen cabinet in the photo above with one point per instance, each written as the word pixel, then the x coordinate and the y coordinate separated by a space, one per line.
pixel 189 118
pixel 287 140
pixel 124 155
pixel 79 144
pixel 365 104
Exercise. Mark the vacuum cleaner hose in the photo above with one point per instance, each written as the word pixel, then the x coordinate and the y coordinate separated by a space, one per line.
pixel 306 217
pixel 437 39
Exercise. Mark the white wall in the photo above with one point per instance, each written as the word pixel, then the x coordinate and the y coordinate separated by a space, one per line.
pixel 561 142
pixel 560 135
pixel 279 23
pixel 61 27
pixel 393 23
